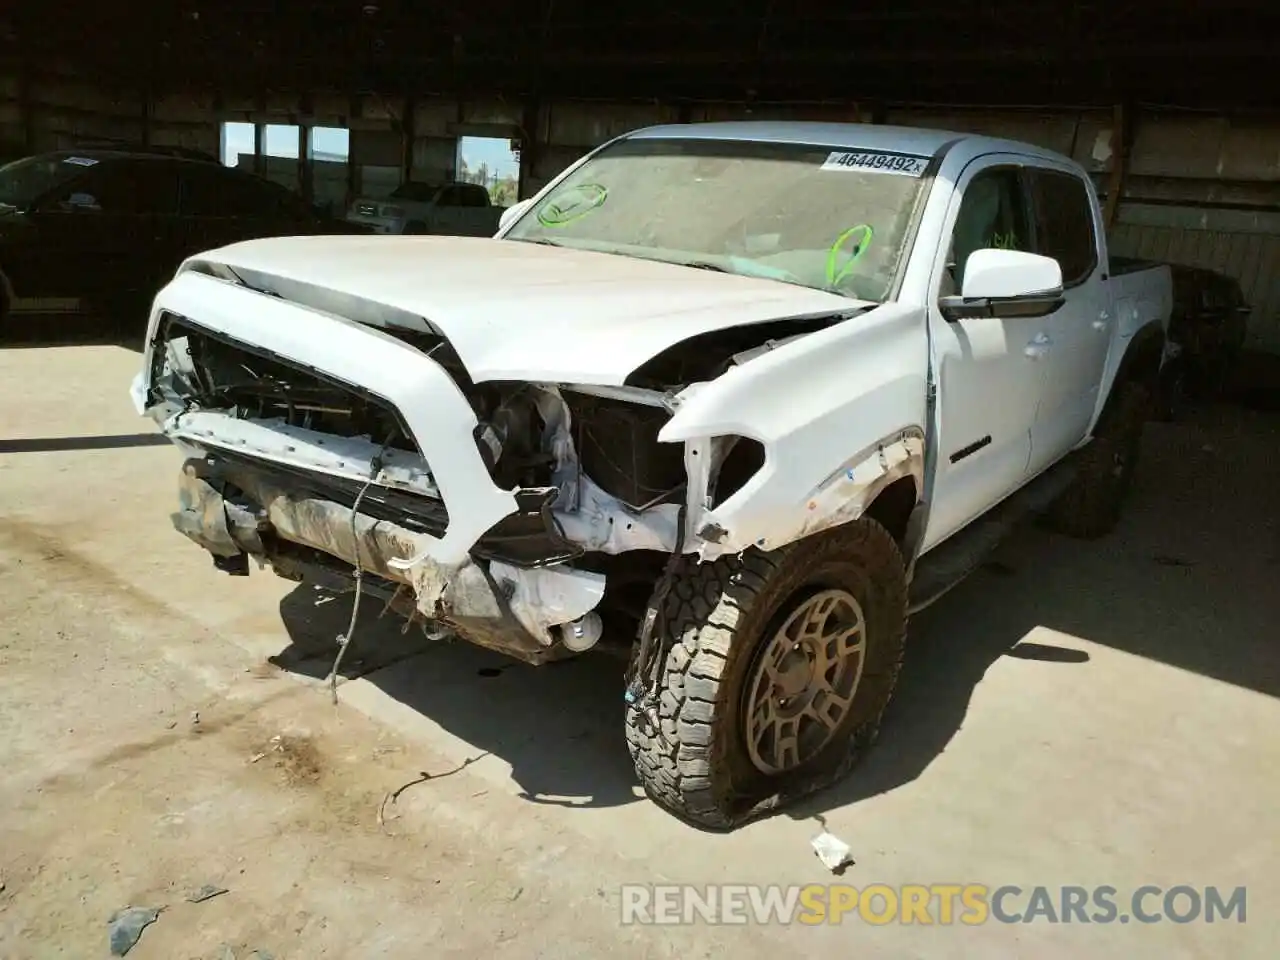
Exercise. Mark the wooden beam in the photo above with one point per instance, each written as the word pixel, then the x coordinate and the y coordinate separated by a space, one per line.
pixel 408 133
pixel 306 179
pixel 260 136
pixel 148 108
pixel 1119 163
pixel 26 100
pixel 530 144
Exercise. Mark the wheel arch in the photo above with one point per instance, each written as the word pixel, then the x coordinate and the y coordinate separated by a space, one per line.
pixel 893 506
pixel 1141 362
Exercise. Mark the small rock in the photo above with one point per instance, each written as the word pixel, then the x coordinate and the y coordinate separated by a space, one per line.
pixel 171 724
pixel 126 927
pixel 207 892
pixel 195 717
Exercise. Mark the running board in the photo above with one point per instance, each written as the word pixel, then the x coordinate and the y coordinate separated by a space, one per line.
pixel 946 565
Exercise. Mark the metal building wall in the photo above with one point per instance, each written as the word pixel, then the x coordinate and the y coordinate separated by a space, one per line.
pixel 1206 191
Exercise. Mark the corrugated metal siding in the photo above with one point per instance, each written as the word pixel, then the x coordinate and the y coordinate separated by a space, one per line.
pixel 1253 258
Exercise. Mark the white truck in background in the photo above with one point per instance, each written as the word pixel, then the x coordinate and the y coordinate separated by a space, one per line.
pixel 455 209
pixel 739 397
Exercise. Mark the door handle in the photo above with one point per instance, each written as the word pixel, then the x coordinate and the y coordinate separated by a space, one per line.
pixel 1039 346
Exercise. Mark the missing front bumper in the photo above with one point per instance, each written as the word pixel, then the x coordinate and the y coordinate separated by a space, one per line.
pixel 234 511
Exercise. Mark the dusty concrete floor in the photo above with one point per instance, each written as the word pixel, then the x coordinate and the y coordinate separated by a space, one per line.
pixel 1075 714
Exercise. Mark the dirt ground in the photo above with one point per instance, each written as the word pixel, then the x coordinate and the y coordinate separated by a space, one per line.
pixel 1074 714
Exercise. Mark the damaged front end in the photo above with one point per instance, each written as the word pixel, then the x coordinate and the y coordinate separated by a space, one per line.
pixel 512 514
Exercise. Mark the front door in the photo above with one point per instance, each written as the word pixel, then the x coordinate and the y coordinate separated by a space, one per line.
pixel 1078 335
pixel 112 231
pixel 987 382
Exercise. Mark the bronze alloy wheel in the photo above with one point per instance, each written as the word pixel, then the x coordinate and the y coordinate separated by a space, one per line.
pixel 804 681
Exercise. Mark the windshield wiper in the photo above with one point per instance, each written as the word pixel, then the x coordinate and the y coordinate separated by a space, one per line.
pixel 701 265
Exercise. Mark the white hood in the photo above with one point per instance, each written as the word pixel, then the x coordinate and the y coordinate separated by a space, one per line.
pixel 514 310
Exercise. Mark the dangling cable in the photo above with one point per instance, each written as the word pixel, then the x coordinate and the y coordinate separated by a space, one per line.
pixel 344 639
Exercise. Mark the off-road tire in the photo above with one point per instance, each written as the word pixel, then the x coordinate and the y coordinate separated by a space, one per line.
pixel 713 623
pixel 1090 508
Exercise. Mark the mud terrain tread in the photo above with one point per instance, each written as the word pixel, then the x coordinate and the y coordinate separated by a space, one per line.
pixel 682 765
pixel 1091 506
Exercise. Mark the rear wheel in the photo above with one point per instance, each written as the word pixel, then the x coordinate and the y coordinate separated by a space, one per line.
pixel 1091 506
pixel 778 668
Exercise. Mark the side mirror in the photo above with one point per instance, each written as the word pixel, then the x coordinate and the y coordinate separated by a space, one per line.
pixel 513 213
pixel 1006 283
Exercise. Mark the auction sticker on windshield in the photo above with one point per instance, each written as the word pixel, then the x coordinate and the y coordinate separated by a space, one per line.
pixel 896 163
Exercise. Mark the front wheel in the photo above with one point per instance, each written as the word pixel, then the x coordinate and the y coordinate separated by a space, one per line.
pixel 778 667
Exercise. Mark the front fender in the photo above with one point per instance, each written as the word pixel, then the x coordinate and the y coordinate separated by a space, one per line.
pixel 840 413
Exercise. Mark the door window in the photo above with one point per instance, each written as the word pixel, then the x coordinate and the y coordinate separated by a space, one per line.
pixel 993 213
pixel 205 194
pixel 210 191
pixel 450 196
pixel 124 189
pixel 1064 223
pixel 473 195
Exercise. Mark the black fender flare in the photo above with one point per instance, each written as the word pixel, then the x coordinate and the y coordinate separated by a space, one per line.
pixel 1142 361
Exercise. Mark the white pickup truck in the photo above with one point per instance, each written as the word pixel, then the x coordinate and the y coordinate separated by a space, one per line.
pixel 738 397
pixel 452 209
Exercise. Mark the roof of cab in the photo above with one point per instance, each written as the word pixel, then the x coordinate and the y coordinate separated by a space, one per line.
pixel 917 141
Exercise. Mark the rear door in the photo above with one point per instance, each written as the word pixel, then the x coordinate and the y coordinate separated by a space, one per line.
pixel 113 231
pixel 220 206
pixel 1076 338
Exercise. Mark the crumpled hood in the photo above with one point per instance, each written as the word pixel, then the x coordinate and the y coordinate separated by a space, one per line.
pixel 515 310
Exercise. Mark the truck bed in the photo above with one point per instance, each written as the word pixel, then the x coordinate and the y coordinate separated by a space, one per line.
pixel 1142 290
pixel 1119 266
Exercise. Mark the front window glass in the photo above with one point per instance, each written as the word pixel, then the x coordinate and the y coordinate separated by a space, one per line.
pixel 24 181
pixel 829 218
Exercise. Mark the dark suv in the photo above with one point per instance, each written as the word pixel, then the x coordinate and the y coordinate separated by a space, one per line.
pixel 105 229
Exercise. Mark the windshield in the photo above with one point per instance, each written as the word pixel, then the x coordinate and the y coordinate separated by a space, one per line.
pixel 23 181
pixel 822 217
